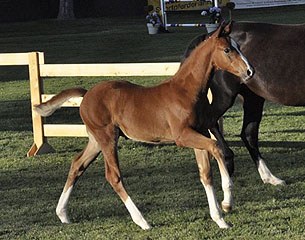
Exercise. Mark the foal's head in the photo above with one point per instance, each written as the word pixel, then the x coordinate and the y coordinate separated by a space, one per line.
pixel 227 56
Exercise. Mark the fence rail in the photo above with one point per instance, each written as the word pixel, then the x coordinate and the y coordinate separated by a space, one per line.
pixel 109 69
pixel 9 59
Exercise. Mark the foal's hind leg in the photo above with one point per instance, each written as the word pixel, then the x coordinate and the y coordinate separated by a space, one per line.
pixel 78 166
pixel 107 139
pixel 206 178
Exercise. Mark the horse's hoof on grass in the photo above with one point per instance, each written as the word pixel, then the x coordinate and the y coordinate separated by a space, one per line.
pixel 226 207
pixel 222 224
pixel 144 225
pixel 275 181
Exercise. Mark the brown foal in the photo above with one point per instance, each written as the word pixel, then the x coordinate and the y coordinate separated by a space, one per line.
pixel 163 113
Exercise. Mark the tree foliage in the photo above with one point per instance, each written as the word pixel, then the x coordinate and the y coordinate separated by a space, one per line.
pixel 26 10
pixel 66 9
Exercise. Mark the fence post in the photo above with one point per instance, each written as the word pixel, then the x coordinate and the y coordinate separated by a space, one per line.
pixel 40 144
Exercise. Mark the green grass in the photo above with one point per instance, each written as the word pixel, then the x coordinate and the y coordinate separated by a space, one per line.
pixel 162 180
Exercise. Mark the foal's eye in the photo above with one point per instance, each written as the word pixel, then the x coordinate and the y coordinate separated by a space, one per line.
pixel 227 50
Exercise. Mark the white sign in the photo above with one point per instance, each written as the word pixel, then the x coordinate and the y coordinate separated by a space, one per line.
pixel 242 4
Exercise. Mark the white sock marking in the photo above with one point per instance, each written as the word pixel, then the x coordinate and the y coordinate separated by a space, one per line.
pixel 136 214
pixel 227 186
pixel 61 209
pixel 266 175
pixel 215 211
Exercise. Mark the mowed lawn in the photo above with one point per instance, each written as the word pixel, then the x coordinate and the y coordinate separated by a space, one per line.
pixel 162 180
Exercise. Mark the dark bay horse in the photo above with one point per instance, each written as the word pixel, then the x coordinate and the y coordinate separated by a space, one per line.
pixel 168 112
pixel 277 53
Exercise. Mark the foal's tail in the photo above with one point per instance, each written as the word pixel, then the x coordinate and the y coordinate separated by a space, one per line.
pixel 50 106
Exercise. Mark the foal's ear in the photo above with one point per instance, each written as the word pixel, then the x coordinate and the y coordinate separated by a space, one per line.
pixel 223 30
pixel 227 29
pixel 218 32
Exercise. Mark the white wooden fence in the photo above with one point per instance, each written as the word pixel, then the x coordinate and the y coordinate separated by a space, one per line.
pixel 38 70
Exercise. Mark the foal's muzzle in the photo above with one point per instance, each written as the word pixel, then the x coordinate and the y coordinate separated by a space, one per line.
pixel 248 74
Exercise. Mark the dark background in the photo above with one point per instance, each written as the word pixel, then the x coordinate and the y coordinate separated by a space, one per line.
pixel 26 10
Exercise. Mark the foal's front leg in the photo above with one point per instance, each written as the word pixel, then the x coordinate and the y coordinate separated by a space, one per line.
pixel 190 138
pixel 206 178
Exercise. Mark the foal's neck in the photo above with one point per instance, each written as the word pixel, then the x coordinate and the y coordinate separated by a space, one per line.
pixel 195 72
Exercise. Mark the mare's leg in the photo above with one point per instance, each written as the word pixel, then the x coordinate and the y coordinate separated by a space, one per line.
pixel 253 109
pixel 78 166
pixel 108 138
pixel 206 178
pixel 187 137
pixel 227 152
pixel 224 95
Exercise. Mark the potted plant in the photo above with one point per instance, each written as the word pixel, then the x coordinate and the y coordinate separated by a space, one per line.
pixel 215 18
pixel 153 22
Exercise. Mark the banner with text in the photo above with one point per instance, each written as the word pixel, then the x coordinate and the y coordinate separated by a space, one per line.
pixel 185 5
pixel 242 4
pixel 192 5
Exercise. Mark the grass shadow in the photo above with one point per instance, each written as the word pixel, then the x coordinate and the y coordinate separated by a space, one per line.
pixel 272 144
pixel 13 73
pixel 15 115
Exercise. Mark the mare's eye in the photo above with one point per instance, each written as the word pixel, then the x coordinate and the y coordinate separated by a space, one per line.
pixel 227 50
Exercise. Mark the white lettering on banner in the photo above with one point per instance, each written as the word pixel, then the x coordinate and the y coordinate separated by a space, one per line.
pixel 242 4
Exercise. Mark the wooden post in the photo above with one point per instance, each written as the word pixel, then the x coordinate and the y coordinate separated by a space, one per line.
pixel 40 144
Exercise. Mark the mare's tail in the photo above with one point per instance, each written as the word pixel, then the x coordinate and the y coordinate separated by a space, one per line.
pixel 50 106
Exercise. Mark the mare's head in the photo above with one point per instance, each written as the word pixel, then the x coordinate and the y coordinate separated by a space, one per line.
pixel 226 54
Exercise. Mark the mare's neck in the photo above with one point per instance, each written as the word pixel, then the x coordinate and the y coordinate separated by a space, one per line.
pixel 195 72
